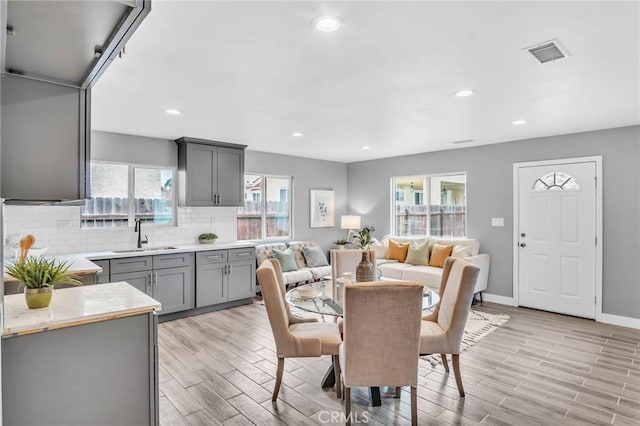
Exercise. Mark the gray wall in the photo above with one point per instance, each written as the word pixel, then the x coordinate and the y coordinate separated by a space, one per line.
pixel 117 147
pixel 307 174
pixel 490 194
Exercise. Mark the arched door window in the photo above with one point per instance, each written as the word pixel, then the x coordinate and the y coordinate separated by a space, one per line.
pixel 556 181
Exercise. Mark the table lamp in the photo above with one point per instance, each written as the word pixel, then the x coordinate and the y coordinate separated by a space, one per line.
pixel 350 222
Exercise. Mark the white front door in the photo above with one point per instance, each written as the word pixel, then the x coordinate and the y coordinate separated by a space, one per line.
pixel 556 238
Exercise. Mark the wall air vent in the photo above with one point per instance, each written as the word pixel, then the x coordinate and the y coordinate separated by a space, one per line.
pixel 548 51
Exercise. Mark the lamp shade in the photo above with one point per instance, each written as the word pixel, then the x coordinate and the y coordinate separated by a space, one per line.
pixel 349 222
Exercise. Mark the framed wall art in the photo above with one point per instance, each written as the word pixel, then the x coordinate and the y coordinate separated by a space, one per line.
pixel 322 208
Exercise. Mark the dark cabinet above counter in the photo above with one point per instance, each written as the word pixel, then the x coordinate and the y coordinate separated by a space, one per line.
pixel 210 173
pixel 51 55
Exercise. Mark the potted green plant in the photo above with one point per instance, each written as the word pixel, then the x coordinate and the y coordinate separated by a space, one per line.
pixel 38 275
pixel 208 238
pixel 341 244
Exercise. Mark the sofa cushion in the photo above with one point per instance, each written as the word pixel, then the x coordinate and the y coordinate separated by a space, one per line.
pixel 461 251
pixel 418 253
pixel 299 276
pixel 393 270
pixel 472 243
pixel 286 259
pixel 296 246
pixel 264 251
pixel 379 248
pixel 427 275
pixel 320 271
pixel 314 256
pixel 439 254
pixel 397 251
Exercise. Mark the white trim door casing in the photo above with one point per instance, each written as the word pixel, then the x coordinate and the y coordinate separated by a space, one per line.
pixel 557 236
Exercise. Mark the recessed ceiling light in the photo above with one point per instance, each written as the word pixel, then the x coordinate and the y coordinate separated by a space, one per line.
pixel 463 93
pixel 297 134
pixel 365 147
pixel 172 111
pixel 519 122
pixel 327 24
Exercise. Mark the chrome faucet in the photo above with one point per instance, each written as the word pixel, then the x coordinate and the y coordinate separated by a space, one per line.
pixel 138 229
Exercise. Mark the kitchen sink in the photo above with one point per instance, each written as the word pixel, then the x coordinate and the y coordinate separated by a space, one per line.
pixel 142 250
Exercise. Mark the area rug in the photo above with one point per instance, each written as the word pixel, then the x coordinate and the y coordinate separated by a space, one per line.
pixel 479 324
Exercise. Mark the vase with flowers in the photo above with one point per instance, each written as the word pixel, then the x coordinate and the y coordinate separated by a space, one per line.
pixel 365 271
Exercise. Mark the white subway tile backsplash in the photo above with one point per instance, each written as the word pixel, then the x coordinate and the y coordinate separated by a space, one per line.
pixel 58 227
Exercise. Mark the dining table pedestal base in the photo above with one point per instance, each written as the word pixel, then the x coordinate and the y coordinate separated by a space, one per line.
pixel 329 381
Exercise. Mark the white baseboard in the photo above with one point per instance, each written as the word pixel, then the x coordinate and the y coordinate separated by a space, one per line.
pixel 495 298
pixel 621 321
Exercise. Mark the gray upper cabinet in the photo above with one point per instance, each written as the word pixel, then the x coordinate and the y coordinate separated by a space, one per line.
pixel 54 52
pixel 210 173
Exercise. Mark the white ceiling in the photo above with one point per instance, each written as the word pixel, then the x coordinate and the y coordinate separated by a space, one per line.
pixel 254 72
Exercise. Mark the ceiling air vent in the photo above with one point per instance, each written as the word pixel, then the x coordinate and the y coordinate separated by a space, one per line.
pixel 463 141
pixel 548 51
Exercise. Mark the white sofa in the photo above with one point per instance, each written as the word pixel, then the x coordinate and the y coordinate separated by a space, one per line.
pixel 431 275
pixel 304 274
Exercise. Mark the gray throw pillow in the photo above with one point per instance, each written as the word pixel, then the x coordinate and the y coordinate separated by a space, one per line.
pixel 286 258
pixel 314 257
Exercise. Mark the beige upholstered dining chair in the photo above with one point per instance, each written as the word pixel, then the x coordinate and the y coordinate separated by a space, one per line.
pixel 346 261
pixel 442 329
pixel 295 337
pixel 381 337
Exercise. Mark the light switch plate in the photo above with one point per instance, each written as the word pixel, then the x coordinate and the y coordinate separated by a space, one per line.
pixel 497 221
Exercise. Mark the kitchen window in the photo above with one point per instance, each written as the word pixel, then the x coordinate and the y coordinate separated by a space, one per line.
pixel 267 208
pixel 429 205
pixel 114 184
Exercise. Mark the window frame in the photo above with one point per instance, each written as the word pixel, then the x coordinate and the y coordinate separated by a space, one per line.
pixel 263 202
pixel 426 195
pixel 131 209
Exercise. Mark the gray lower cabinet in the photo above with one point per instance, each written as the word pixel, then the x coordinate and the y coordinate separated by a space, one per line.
pixel 104 276
pixel 102 373
pixel 168 278
pixel 173 287
pixel 140 280
pixel 225 276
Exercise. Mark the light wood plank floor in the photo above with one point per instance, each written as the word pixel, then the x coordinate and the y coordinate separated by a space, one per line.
pixel 537 369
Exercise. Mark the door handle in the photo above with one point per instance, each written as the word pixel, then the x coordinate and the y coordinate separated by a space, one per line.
pixel 523 245
pixel 523 235
pixel 230 270
pixel 156 278
pixel 224 271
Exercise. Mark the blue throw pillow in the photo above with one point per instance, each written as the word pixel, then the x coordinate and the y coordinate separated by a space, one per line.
pixel 286 258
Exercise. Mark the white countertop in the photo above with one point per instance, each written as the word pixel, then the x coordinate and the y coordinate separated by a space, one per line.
pixel 76 306
pixel 78 264
pixel 218 245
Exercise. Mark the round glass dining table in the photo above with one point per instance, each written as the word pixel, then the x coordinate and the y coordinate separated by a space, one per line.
pixel 325 298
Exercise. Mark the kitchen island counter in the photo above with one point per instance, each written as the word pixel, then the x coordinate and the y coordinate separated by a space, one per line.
pixel 76 306
pixel 93 353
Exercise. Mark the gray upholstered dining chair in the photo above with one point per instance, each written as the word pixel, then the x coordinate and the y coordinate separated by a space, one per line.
pixel 442 329
pixel 295 337
pixel 381 337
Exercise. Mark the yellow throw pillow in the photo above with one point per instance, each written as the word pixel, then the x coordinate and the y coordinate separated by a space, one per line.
pixel 439 254
pixel 397 251
pixel 418 253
